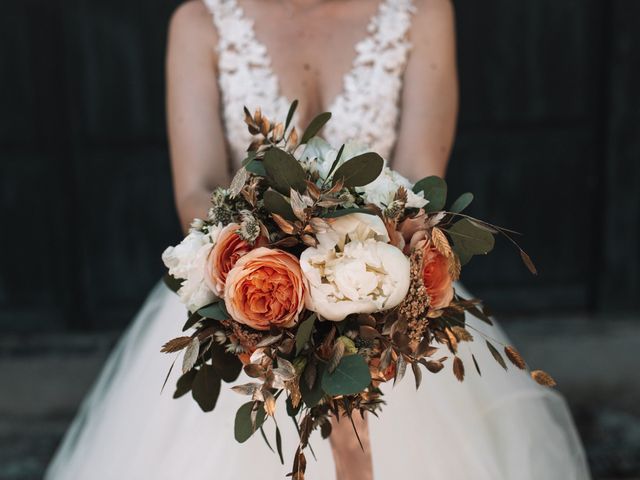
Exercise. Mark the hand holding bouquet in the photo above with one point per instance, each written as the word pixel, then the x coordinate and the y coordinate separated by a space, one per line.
pixel 322 273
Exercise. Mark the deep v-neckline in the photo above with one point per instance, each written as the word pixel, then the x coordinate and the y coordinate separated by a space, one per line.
pixel 358 48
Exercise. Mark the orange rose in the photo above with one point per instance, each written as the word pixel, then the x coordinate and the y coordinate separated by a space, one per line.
pixel 436 277
pixel 264 289
pixel 223 256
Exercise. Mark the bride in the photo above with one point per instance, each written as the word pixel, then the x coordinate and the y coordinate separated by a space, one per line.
pixel 399 96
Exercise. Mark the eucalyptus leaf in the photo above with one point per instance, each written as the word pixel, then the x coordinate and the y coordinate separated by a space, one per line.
pixel 283 171
pixel 469 240
pixel 244 427
pixel 226 365
pixel 275 202
pixel 257 168
pixel 250 156
pixel 435 190
pixel 215 311
pixel 206 388
pixel 315 126
pixel 191 321
pixel 359 171
pixel 462 202
pixel 183 386
pixel 172 282
pixel 311 396
pixel 304 333
pixel 350 377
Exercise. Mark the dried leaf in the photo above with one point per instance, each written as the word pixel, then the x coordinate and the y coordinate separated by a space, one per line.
pixel 247 388
pixel 298 204
pixel 269 402
pixel 543 378
pixel 401 368
pixel 336 356
pixel 175 345
pixel 385 358
pixel 191 355
pixel 270 340
pixel 453 341
pixel 514 357
pixel 434 366
pixel 458 368
pixel 496 355
pixel 253 370
pixel 238 182
pixel 417 374
pixel 285 226
pixel 462 334
pixel 528 262
pixel 368 332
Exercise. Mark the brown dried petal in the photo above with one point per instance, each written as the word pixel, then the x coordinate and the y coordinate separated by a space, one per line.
pixel 543 378
pixel 514 357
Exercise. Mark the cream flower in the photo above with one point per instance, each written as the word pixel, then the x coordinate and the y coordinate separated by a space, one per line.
pixel 186 261
pixel 354 269
pixel 382 190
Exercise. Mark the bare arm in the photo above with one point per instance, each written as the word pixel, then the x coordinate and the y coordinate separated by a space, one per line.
pixel 430 96
pixel 198 156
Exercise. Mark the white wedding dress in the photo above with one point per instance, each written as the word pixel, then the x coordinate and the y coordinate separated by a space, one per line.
pixel 501 426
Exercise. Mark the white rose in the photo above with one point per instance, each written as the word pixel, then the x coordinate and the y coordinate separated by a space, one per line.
pixel 354 269
pixel 382 190
pixel 187 261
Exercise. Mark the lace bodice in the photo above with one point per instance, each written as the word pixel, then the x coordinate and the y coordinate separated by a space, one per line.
pixel 366 110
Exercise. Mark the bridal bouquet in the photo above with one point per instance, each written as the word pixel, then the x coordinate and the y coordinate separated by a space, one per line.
pixel 322 273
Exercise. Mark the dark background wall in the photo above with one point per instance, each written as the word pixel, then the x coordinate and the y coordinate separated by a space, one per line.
pixel 549 143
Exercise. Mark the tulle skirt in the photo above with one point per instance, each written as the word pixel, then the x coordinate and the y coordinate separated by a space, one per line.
pixel 500 426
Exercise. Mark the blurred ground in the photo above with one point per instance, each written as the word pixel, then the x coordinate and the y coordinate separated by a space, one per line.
pixel 43 379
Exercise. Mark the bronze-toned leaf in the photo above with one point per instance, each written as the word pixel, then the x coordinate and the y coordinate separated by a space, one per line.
pixel 269 402
pixel 417 374
pixel 238 182
pixel 434 366
pixel 285 226
pixel 254 370
pixel 401 368
pixel 270 340
pixel 453 341
pixel 191 355
pixel 247 388
pixel 425 349
pixel 458 368
pixel 368 332
pixel 175 345
pixel 543 378
pixel 475 363
pixel 528 262
pixel 496 354
pixel 385 358
pixel 514 357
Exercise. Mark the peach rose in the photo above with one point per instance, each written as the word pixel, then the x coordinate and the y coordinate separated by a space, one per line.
pixel 436 277
pixel 228 249
pixel 265 288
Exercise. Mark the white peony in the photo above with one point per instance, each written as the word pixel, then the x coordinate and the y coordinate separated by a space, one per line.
pixel 382 190
pixel 353 269
pixel 318 155
pixel 187 261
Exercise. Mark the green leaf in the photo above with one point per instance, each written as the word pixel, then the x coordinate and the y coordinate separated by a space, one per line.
pixel 275 202
pixel 462 202
pixel 292 110
pixel 247 160
pixel 206 388
pixel 469 240
pixel 279 444
pixel 346 211
pixel 435 190
pixel 215 311
pixel 336 161
pixel 292 412
pixel 184 384
pixel 191 321
pixel 360 170
pixel 304 333
pixel 257 168
pixel 172 282
pixel 244 427
pixel 350 377
pixel 312 396
pixel 315 126
pixel 226 365
pixel 284 172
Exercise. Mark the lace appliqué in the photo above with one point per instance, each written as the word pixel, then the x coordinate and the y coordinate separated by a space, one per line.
pixel 367 109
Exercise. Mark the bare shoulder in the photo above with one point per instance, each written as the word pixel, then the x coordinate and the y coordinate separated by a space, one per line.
pixel 433 15
pixel 192 19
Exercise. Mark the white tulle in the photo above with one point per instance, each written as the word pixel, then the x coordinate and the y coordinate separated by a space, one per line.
pixel 501 426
